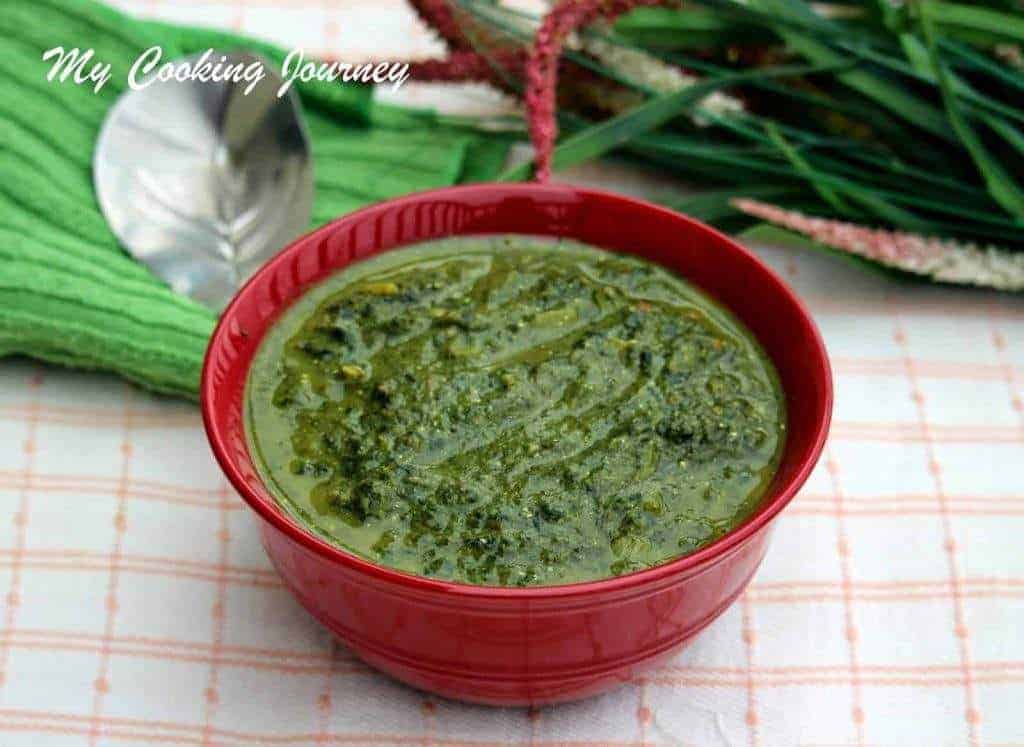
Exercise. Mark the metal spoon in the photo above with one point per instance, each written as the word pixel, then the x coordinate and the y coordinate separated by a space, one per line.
pixel 203 183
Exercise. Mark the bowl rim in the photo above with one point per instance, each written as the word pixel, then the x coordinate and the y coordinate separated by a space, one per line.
pixel 268 509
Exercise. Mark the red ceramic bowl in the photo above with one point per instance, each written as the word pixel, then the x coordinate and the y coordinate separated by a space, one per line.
pixel 505 645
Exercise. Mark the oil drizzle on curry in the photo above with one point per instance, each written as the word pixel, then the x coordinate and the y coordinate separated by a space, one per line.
pixel 513 411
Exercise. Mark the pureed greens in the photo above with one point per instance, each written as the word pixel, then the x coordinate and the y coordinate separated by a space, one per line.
pixel 513 411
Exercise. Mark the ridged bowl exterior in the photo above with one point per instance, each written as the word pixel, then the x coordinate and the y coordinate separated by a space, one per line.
pixel 544 644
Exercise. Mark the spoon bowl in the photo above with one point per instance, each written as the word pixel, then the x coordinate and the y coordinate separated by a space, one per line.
pixel 203 181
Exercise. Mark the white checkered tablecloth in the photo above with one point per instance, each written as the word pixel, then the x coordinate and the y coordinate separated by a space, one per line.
pixel 139 608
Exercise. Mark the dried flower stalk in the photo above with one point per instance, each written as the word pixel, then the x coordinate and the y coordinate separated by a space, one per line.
pixel 470 67
pixel 437 14
pixel 541 66
pixel 937 259
pixel 651 73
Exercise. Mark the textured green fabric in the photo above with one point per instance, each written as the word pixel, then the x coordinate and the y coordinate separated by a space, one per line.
pixel 68 293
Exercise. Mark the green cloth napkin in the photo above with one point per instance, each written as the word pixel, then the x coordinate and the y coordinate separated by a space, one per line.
pixel 68 293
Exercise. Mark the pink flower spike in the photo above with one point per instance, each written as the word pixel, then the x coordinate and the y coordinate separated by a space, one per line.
pixel 938 259
pixel 542 67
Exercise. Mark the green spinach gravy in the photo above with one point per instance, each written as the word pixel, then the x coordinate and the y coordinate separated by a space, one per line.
pixel 513 411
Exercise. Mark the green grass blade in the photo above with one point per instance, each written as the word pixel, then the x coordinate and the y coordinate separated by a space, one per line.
pixel 858 161
pixel 1001 185
pixel 605 136
pixel 805 170
pixel 1007 132
pixel 671 28
pixel 672 150
pixel 865 197
pixel 921 61
pixel 897 100
pixel 1004 73
pixel 986 20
